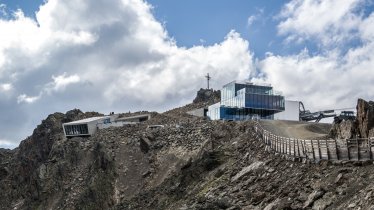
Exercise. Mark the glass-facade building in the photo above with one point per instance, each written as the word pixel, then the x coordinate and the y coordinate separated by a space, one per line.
pixel 245 100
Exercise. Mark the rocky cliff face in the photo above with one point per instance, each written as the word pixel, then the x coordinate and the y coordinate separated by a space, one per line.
pixel 362 127
pixel 24 168
pixel 190 163
pixel 365 118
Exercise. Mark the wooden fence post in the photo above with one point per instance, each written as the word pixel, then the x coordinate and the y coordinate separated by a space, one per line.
pixel 336 149
pixel 294 148
pixel 287 145
pixel 282 144
pixel 319 150
pixel 346 143
pixel 369 145
pixel 305 149
pixel 298 147
pixel 276 144
pixel 314 156
pixel 358 149
pixel 327 150
pixel 271 142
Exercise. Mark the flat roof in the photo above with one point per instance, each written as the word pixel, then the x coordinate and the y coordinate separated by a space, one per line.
pixel 85 120
pixel 247 82
pixel 133 117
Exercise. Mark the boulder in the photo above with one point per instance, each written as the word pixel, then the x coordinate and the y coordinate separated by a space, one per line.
pixel 254 166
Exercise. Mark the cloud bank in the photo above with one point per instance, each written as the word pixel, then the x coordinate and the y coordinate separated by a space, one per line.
pixel 103 56
pixel 336 76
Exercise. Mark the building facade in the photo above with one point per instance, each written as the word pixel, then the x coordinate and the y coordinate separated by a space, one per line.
pixel 245 100
pixel 89 126
pixel 291 112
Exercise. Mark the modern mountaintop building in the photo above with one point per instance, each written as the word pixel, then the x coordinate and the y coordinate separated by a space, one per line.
pixel 89 126
pixel 245 100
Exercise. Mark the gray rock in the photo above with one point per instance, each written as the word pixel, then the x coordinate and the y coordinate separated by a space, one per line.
pixel 324 202
pixel 144 144
pixel 278 204
pixel 254 166
pixel 338 178
pixel 315 195
pixel 365 117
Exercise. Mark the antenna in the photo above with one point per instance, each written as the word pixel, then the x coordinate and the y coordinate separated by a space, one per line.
pixel 208 78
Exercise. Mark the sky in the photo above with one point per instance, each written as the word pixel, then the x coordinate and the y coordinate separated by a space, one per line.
pixel 131 55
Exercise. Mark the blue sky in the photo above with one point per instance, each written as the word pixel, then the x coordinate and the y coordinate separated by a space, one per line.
pixel 125 55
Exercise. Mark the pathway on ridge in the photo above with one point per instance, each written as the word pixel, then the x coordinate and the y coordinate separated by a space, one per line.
pixel 296 129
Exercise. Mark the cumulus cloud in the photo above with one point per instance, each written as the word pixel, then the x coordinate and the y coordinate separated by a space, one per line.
pixel 334 78
pixel 331 21
pixel 103 56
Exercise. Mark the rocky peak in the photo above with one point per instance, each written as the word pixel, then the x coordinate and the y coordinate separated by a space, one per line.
pixel 207 95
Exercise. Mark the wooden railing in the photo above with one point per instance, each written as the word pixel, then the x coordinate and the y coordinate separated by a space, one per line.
pixel 317 149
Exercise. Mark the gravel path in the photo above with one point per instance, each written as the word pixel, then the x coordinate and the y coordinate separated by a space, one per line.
pixel 296 129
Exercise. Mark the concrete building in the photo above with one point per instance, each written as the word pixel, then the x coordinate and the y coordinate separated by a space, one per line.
pixel 85 127
pixel 90 126
pixel 291 111
pixel 198 112
pixel 242 100
pixel 135 119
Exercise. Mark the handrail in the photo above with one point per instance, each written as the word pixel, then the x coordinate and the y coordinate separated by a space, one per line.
pixel 317 149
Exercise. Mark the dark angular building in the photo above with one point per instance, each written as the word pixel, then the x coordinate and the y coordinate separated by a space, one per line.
pixel 245 100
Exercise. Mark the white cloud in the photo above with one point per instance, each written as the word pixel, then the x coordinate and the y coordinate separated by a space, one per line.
pixel 323 81
pixel 330 21
pixel 366 29
pixel 62 81
pixel 23 98
pixel 336 77
pixel 108 56
pixel 5 87
pixel 251 19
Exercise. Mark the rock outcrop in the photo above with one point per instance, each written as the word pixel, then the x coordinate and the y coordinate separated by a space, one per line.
pixel 207 95
pixel 365 118
pixel 345 129
pixel 362 127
